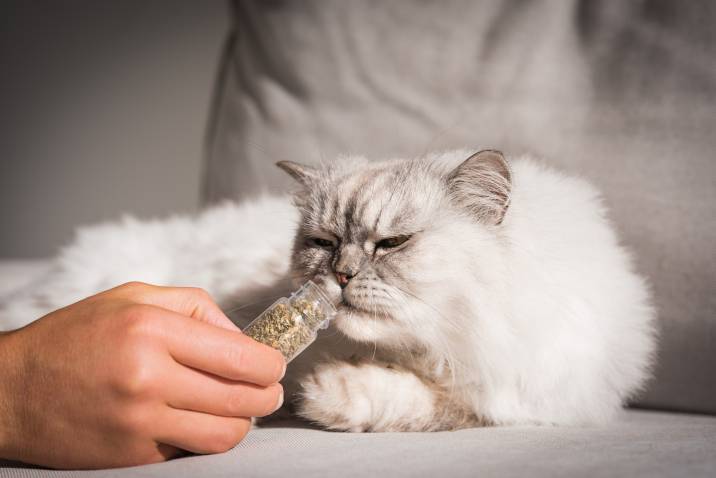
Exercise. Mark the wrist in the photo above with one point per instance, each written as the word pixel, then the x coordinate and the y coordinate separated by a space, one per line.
pixel 11 371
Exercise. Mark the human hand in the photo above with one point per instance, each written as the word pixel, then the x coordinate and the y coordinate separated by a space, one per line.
pixel 129 376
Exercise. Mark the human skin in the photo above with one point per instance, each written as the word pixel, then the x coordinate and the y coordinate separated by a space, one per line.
pixel 130 376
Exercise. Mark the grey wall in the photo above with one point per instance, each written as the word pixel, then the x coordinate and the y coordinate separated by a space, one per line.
pixel 103 106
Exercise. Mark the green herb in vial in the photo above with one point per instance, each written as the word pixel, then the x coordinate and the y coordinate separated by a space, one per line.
pixel 291 324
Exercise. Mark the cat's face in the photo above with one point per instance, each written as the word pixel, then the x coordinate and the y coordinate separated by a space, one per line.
pixel 391 243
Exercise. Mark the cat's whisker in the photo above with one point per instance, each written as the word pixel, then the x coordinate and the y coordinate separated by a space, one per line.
pixel 445 319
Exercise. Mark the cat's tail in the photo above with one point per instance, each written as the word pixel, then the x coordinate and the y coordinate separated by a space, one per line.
pixel 27 303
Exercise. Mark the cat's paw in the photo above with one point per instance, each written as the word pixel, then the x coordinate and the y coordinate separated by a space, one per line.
pixel 333 396
pixel 365 397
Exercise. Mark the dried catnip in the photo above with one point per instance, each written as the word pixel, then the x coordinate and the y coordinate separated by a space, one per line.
pixel 291 323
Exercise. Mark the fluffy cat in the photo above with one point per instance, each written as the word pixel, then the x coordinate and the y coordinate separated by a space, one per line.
pixel 498 295
pixel 489 293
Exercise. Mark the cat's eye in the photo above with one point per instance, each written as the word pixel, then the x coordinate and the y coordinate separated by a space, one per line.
pixel 391 242
pixel 320 242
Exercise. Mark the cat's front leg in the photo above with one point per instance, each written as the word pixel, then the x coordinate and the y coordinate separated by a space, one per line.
pixel 377 397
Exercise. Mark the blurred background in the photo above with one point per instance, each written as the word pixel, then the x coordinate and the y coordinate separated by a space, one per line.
pixel 154 107
pixel 103 111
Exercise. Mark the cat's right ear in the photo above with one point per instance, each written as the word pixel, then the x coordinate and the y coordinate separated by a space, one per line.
pixel 482 184
pixel 301 173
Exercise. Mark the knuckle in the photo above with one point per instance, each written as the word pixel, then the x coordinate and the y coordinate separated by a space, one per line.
pixel 242 429
pixel 235 404
pixel 134 286
pixel 139 320
pixel 271 399
pixel 137 377
pixel 280 365
pixel 200 293
pixel 236 359
pixel 138 382
pixel 133 374
pixel 220 443
pixel 275 363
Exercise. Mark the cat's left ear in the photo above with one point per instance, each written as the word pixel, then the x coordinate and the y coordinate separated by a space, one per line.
pixel 301 173
pixel 482 184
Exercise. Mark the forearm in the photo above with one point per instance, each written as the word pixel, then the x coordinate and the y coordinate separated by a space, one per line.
pixel 11 372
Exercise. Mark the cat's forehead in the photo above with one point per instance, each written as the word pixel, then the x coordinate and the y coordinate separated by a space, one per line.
pixel 374 200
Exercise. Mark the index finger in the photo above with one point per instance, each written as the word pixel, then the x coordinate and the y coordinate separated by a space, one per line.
pixel 190 301
pixel 221 352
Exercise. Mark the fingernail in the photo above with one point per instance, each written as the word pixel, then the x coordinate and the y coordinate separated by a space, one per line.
pixel 280 401
pixel 283 371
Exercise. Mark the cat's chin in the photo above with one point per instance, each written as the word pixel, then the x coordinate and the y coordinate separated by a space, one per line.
pixel 363 326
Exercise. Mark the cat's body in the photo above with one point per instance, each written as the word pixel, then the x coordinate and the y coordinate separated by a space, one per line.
pixel 487 294
pixel 230 250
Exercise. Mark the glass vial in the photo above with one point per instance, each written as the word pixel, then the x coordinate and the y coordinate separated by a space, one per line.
pixel 291 323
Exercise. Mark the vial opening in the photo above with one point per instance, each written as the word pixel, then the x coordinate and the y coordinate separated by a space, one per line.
pixel 317 298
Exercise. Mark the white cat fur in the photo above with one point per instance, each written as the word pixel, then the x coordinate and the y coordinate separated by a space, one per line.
pixel 555 326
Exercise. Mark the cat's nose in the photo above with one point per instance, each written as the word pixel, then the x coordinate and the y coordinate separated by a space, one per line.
pixel 343 279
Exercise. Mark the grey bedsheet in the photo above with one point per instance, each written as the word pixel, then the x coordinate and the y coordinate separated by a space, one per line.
pixel 641 444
